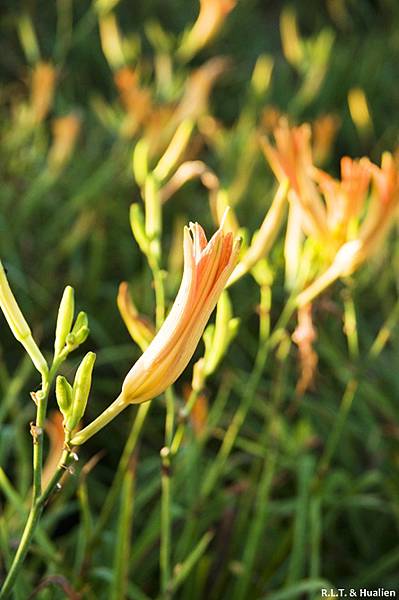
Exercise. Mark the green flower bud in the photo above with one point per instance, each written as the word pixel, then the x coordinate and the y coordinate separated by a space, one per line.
pixel 79 333
pixel 64 319
pixel 71 341
pixel 81 321
pixel 80 391
pixel 63 393
pixel 18 324
pixel 140 161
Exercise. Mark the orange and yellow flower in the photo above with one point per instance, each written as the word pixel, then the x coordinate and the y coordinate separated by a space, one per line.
pixel 207 267
pixel 348 218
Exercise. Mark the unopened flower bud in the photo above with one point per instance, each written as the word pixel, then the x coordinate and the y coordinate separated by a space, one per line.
pixel 80 391
pixel 79 333
pixel 18 324
pixel 63 393
pixel 64 319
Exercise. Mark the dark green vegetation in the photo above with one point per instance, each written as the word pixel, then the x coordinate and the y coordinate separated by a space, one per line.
pixel 280 495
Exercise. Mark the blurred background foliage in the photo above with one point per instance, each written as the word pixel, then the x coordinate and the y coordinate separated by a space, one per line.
pixel 308 494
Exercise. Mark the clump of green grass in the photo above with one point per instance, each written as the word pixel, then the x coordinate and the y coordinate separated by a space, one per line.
pixel 270 495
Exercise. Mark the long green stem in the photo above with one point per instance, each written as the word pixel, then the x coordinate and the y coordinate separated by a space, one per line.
pixel 38 504
pixel 166 480
pixel 157 276
pixel 230 437
pixel 39 498
pixel 128 450
pixel 165 554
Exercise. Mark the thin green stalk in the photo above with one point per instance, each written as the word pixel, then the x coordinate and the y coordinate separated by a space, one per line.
pixel 181 429
pixel 165 549
pixel 385 332
pixel 262 478
pixel 335 435
pixel 18 504
pixel 187 565
pixel 123 538
pixel 31 524
pixel 166 491
pixel 128 450
pixel 265 347
pixel 236 424
pixel 315 541
pixel 85 525
pixel 257 526
pixel 301 523
pixel 39 497
pixel 170 417
pixel 158 278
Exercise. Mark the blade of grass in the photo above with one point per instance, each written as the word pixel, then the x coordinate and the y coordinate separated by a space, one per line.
pixel 119 583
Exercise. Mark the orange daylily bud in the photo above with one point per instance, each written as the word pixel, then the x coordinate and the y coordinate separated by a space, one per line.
pixel 140 328
pixel 210 20
pixel 65 131
pixel 42 90
pixel 207 267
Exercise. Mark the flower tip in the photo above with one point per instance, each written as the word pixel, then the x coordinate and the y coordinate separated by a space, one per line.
pixel 224 217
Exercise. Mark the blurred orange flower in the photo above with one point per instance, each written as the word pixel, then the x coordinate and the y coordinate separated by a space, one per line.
pixel 42 90
pixel 65 133
pixel 209 21
pixel 347 217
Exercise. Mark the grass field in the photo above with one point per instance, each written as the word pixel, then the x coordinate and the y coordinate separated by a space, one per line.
pixel 270 468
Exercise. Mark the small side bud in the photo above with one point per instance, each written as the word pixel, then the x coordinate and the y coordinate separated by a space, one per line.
pixel 64 319
pixel 63 393
pixel 80 391
pixel 79 333
pixel 81 321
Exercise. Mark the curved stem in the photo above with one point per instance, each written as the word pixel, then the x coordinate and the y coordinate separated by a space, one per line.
pixel 103 419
